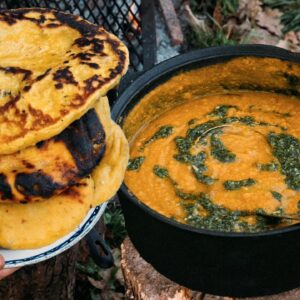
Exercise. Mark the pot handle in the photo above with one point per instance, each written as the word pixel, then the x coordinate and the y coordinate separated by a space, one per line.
pixel 104 257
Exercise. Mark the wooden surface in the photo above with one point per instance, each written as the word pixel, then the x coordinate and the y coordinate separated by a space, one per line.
pixel 53 279
pixel 172 22
pixel 143 282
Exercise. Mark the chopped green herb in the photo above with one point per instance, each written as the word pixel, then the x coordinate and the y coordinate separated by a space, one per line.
pixel 276 195
pixel 269 124
pixel 201 212
pixel 215 217
pixel 252 108
pixel 248 120
pixel 163 132
pixel 286 149
pixel 221 110
pixel 278 212
pixel 135 163
pixel 219 151
pixel 183 145
pixel 197 162
pixel 260 211
pixel 197 134
pixel 292 91
pixel 231 185
pixel 203 178
pixel 192 122
pixel 272 166
pixel 201 130
pixel 161 172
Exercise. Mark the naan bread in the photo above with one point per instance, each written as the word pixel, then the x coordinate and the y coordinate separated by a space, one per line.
pixel 50 167
pixel 34 225
pixel 53 68
pixel 108 176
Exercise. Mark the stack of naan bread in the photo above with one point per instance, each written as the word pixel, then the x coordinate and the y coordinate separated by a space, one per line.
pixel 60 152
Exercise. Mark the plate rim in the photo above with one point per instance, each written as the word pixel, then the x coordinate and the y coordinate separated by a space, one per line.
pixel 77 235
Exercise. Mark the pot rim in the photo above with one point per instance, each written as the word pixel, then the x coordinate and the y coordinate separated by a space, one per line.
pixel 169 67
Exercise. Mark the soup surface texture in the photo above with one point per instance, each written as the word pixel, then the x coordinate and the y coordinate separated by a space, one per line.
pixel 221 161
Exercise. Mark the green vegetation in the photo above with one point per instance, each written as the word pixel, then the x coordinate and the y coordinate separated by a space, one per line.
pixel 204 39
pixel 115 224
pixel 94 282
pixel 291 13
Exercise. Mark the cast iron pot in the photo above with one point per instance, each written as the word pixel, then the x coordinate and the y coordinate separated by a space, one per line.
pixel 227 264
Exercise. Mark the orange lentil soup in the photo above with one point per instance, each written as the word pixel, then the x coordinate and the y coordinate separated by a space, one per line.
pixel 221 162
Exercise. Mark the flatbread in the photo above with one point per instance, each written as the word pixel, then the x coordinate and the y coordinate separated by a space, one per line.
pixel 53 68
pixel 50 167
pixel 34 225
pixel 108 176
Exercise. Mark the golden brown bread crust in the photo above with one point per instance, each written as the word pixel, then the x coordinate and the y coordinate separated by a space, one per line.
pixel 50 167
pixel 53 67
pixel 33 225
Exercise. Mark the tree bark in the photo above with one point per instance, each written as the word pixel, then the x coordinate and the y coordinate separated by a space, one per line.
pixel 53 279
pixel 143 282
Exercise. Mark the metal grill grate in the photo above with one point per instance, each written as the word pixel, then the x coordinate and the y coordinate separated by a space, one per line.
pixel 121 17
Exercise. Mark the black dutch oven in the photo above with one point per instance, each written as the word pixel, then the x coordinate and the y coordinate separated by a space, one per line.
pixel 227 264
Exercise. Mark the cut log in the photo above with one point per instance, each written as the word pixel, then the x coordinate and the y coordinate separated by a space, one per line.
pixel 143 282
pixel 52 279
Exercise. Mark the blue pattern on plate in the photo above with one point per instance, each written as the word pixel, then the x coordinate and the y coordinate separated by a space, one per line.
pixel 62 245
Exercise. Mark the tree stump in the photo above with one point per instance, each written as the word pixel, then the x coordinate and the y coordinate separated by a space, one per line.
pixel 143 282
pixel 53 279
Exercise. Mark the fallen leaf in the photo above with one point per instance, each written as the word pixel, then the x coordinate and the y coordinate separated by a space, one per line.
pixel 198 25
pixel 110 295
pixel 98 284
pixel 290 42
pixel 292 37
pixel 270 19
pixel 261 36
pixel 106 274
pixel 249 9
pixel 217 14
pixel 233 27
pixel 119 276
pixel 283 44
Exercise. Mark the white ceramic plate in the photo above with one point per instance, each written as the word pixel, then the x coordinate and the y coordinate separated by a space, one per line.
pixel 19 258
